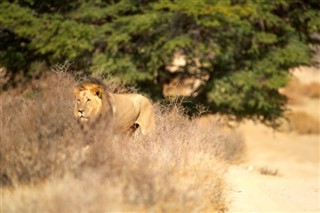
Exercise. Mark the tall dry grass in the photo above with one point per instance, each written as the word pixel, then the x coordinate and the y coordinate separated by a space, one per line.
pixel 48 164
pixel 297 91
pixel 303 123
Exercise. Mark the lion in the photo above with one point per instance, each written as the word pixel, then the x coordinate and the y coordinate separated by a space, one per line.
pixel 128 112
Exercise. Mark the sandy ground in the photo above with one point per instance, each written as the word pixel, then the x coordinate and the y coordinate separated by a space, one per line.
pixel 292 158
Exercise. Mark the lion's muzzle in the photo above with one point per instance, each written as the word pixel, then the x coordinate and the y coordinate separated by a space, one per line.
pixel 83 119
pixel 81 116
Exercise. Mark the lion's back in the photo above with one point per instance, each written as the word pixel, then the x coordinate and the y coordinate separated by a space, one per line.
pixel 134 108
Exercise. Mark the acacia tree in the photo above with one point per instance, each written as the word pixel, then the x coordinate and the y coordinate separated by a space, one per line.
pixel 243 47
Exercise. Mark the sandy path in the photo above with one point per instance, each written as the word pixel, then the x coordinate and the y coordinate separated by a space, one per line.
pixel 296 187
pixel 256 193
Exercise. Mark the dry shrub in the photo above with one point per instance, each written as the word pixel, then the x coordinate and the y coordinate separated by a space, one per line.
pixel 268 171
pixel 46 157
pixel 234 147
pixel 303 123
pixel 312 90
pixel 37 137
pixel 296 91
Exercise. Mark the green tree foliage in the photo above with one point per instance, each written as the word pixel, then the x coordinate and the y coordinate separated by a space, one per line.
pixel 244 47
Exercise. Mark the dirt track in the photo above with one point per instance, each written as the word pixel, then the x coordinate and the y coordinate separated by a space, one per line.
pixel 294 158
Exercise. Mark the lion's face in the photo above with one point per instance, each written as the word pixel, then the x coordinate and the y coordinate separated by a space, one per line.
pixel 88 102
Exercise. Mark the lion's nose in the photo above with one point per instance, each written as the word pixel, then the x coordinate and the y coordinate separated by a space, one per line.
pixel 80 110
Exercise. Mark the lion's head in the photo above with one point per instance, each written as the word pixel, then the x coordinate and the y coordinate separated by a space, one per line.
pixel 92 101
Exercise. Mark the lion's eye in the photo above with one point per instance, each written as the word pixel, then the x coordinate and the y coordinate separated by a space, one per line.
pixel 78 101
pixel 88 100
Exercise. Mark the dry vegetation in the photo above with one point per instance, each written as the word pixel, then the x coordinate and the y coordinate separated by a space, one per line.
pixel 297 120
pixel 303 123
pixel 45 166
pixel 296 91
pixel 267 171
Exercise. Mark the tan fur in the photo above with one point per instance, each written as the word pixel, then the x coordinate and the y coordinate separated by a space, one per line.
pixel 126 110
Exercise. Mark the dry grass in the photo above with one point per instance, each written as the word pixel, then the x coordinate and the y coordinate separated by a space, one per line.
pixel 312 90
pixel 267 171
pixel 296 91
pixel 233 142
pixel 299 121
pixel 303 123
pixel 45 167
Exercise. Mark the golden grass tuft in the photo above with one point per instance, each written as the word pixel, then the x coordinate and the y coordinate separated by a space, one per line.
pixel 268 171
pixel 45 157
pixel 312 90
pixel 303 123
pixel 296 91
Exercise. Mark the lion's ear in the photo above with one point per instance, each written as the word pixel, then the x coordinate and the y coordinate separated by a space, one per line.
pixel 98 91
